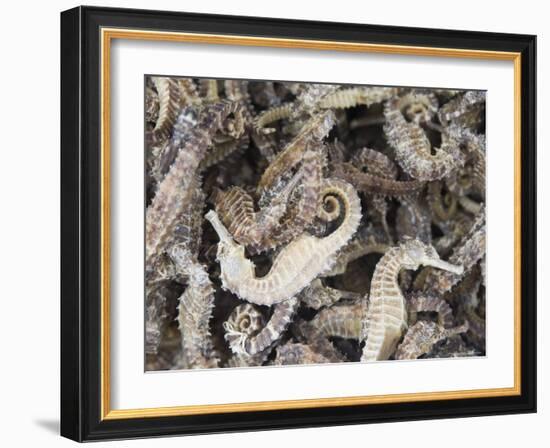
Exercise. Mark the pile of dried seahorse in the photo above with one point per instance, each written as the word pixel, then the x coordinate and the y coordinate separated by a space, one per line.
pixel 295 223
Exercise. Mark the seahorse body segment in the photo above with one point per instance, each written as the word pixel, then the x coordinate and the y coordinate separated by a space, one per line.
pixel 296 353
pixel 460 106
pixel 343 321
pixel 418 302
pixel 313 131
pixel 194 313
pixel 374 162
pixel 296 265
pixel 413 148
pixel 169 104
pixel 418 106
pixel 354 96
pixel 151 105
pixel 316 295
pixel 281 219
pixel 242 343
pixel 386 318
pixel 370 183
pixel 469 250
pixel 422 336
pixel 174 191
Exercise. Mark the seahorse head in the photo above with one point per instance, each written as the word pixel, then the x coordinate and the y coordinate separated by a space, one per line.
pixel 230 255
pixel 414 253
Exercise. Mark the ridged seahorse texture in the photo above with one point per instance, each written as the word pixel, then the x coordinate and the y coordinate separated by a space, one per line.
pixel 300 223
pixel 296 265
pixel 174 192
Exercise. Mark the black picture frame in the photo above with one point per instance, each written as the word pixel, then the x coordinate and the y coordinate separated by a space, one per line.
pixel 81 224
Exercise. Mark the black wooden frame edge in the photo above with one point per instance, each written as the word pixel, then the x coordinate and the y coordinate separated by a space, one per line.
pixel 80 224
pixel 71 324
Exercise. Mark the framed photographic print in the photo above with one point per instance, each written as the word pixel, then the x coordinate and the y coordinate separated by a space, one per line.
pixel 275 224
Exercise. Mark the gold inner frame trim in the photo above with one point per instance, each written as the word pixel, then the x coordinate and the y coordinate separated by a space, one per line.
pixel 107 35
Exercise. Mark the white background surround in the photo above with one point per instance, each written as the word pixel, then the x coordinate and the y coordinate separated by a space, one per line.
pixel 132 388
pixel 30 228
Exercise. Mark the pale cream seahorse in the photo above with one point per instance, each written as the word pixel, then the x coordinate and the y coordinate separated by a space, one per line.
pixel 296 265
pixel 386 317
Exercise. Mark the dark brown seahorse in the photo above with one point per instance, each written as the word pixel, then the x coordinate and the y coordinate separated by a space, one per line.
pixel 422 336
pixel 174 191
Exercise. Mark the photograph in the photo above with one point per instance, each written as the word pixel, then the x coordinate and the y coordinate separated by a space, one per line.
pixel 272 222
pixel 291 223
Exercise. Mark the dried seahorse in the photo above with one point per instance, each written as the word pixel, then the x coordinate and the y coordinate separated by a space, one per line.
pixel 237 90
pixel 151 105
pixel 460 105
pixel 243 344
pixel 365 242
pixel 373 184
pixel 279 221
pixel 188 229
pixel 470 178
pixel 343 321
pixel 189 92
pixel 355 96
pixel 155 316
pixel 371 165
pixel 187 233
pixel 452 347
pixel 310 98
pixel 422 336
pixel 386 317
pixel 305 199
pixel 169 104
pixel 195 311
pixel 222 149
pixel 413 220
pixel 443 206
pixel 413 149
pixel 306 105
pixel 366 121
pixel 469 205
pixel 174 191
pixel 187 120
pixel 469 301
pixel 316 295
pixel 374 162
pixel 270 115
pixel 476 330
pixel 263 94
pixel 295 353
pixel 453 231
pixel 418 302
pixel 247 319
pixel 305 333
pixel 418 106
pixel 296 265
pixel 468 252
pixel 313 131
